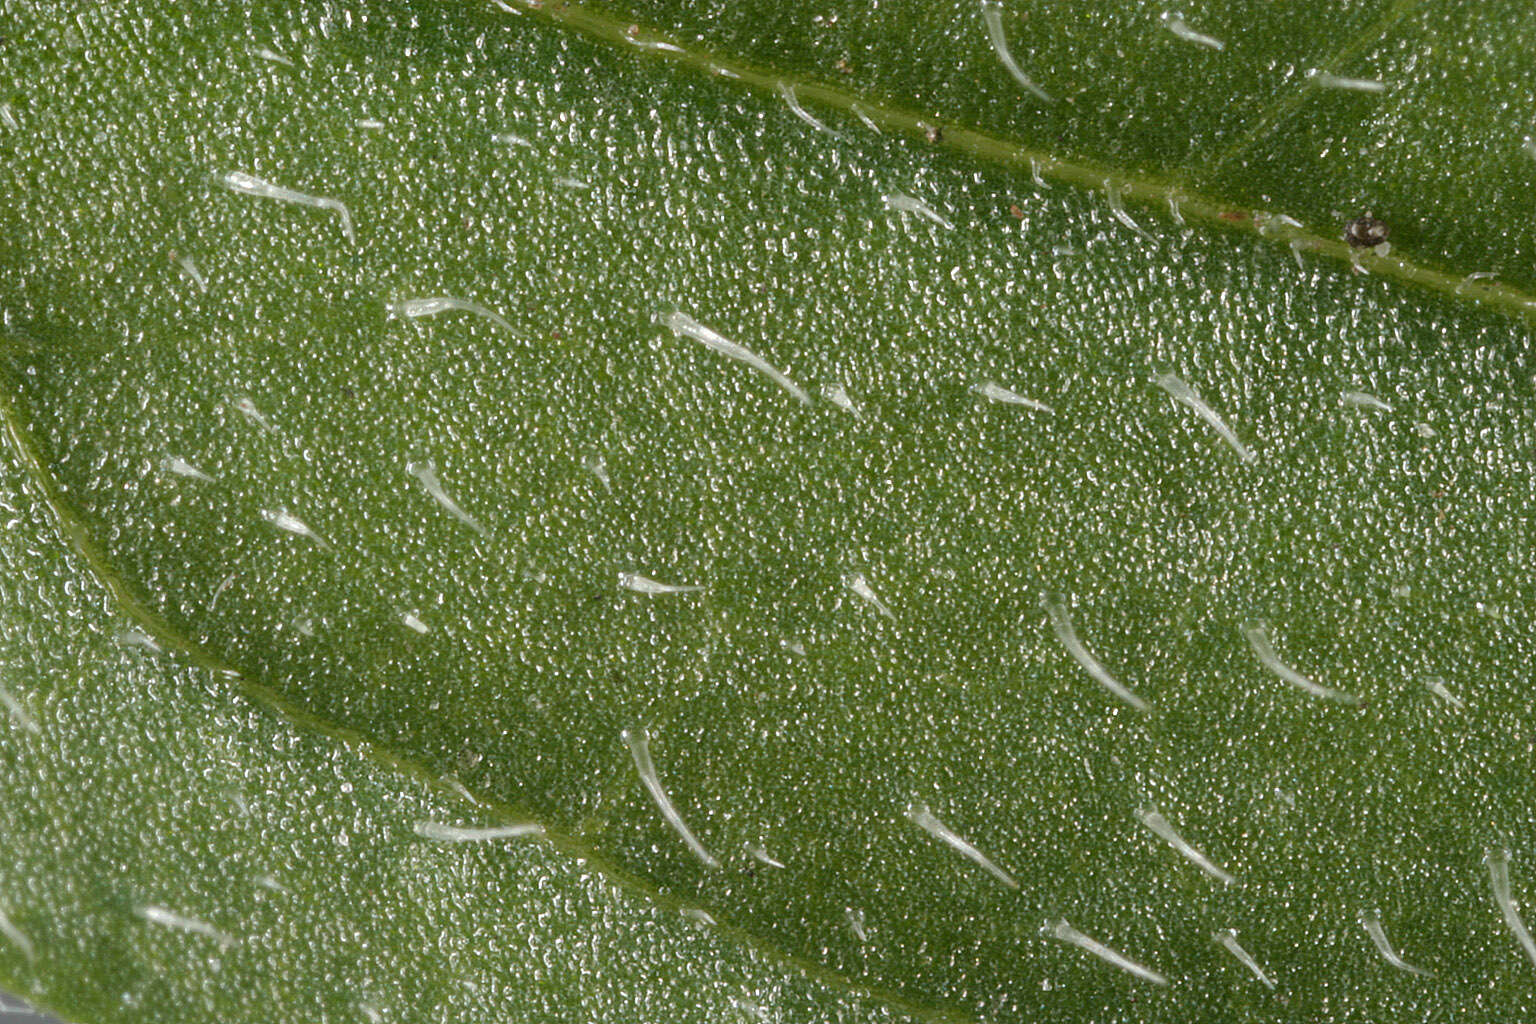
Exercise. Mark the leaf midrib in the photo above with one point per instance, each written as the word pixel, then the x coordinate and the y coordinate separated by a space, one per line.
pixel 16 434
pixel 1158 193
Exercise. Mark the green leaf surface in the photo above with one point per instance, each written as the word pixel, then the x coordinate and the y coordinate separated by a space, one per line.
pixel 870 634
pixel 1244 123
pixel 147 788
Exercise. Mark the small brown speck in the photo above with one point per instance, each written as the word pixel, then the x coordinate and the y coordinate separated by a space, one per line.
pixel 843 66
pixel 1017 211
pixel 933 133
pixel 1365 231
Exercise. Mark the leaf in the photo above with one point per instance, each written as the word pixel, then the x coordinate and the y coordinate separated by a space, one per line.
pixel 151 789
pixel 875 632
pixel 1244 123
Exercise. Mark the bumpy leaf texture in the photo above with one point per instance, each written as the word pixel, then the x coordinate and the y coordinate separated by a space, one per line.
pixel 904 541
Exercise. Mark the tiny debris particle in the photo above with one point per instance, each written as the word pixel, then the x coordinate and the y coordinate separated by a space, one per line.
pixel 1365 231
pixel 750 1009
